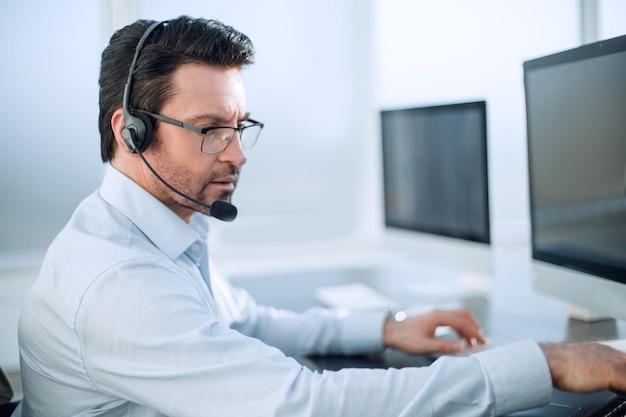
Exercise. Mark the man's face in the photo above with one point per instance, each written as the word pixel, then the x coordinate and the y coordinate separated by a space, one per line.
pixel 202 96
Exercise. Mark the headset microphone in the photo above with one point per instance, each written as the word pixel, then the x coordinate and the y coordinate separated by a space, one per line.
pixel 223 210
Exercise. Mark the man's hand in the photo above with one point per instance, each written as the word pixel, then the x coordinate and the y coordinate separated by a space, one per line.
pixel 416 335
pixel 586 367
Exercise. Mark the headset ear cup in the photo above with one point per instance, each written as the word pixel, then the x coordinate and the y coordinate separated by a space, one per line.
pixel 146 138
pixel 137 132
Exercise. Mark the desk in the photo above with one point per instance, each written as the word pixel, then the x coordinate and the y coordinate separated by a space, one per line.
pixel 509 308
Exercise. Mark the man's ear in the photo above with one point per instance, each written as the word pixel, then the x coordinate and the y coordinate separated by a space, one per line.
pixel 118 125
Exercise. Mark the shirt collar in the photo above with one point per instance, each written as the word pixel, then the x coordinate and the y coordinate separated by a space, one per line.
pixel 171 234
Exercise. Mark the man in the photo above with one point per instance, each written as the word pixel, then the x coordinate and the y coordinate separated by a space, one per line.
pixel 130 317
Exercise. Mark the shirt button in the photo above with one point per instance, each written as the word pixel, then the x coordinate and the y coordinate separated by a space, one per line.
pixel 195 247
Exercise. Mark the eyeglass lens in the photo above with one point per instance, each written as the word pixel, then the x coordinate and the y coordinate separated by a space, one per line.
pixel 217 140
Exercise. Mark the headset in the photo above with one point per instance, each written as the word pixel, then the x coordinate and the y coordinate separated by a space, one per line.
pixel 138 128
pixel 137 134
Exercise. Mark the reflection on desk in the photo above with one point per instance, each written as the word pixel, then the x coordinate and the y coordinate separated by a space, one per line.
pixel 386 359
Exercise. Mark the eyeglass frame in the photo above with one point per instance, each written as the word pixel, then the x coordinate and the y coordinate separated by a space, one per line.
pixel 205 130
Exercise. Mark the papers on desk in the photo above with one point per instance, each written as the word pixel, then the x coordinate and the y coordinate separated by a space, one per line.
pixel 355 296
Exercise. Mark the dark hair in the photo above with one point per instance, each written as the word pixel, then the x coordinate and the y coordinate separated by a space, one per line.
pixel 173 43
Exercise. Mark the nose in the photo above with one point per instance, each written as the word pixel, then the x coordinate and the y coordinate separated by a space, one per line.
pixel 234 152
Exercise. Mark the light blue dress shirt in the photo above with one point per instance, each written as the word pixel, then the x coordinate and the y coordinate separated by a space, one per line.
pixel 129 317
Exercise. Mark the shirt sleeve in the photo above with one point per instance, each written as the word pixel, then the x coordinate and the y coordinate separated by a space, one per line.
pixel 502 366
pixel 316 331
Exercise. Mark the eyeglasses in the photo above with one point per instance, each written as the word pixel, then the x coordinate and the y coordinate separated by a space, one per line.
pixel 216 139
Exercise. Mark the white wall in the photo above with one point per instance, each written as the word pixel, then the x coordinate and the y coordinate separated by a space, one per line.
pixel 48 118
pixel 611 18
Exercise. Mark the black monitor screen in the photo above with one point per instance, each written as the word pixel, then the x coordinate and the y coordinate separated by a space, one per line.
pixel 435 170
pixel 576 127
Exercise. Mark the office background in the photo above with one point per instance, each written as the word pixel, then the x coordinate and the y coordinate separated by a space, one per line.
pixel 324 70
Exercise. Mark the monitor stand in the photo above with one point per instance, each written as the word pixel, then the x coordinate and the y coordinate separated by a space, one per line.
pixel 584 314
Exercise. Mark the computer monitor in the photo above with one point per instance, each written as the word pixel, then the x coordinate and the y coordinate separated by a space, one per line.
pixel 435 182
pixel 576 128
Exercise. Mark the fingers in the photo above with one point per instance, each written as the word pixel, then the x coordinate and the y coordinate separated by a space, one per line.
pixel 447 347
pixel 416 334
pixel 463 322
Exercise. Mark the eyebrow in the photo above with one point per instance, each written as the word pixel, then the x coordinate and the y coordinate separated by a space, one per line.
pixel 216 118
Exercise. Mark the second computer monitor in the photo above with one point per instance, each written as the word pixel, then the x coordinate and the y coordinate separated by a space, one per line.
pixel 576 125
pixel 435 170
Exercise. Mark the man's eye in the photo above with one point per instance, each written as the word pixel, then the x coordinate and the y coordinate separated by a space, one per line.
pixel 220 134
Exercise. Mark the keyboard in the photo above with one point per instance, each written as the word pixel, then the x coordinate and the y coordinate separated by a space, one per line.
pixel 616 408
